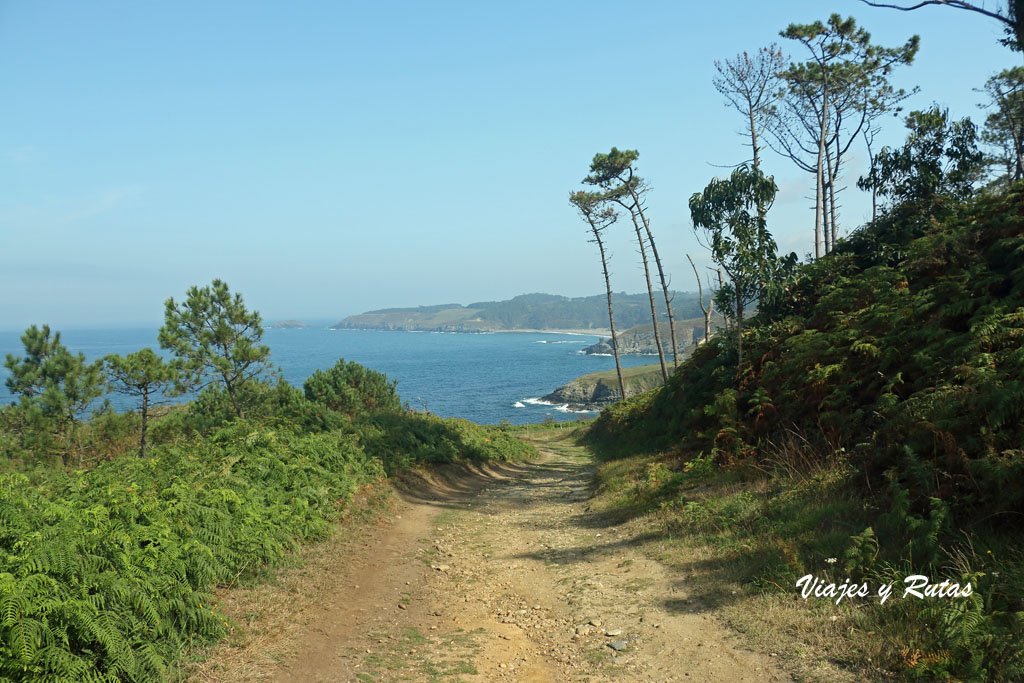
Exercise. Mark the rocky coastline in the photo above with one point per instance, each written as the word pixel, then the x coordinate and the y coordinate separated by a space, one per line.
pixel 597 390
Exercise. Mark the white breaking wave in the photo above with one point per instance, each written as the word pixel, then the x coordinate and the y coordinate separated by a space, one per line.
pixel 518 404
pixel 561 407
pixel 565 409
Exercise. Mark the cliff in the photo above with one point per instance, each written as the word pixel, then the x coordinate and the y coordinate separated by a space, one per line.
pixel 598 389
pixel 639 340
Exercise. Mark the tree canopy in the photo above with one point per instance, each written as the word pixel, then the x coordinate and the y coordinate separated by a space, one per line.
pixel 940 157
pixel 215 338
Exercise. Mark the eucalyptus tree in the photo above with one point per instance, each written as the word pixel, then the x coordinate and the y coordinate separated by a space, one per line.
pixel 1004 125
pixel 939 159
pixel 593 209
pixel 614 175
pixel 737 234
pixel 54 387
pixel 827 103
pixel 143 375
pixel 215 339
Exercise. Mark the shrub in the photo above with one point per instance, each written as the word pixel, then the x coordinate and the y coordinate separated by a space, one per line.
pixel 109 572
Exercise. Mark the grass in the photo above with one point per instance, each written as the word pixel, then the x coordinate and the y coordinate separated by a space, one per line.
pixel 740 539
pixel 637 371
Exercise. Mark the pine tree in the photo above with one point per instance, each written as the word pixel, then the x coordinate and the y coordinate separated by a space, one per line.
pixel 613 173
pixel 54 386
pixel 589 206
pixel 216 339
pixel 144 375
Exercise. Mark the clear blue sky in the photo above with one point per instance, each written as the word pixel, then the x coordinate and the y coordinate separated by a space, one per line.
pixel 326 158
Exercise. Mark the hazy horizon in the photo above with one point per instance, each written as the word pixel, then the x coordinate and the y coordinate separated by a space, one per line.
pixel 314 320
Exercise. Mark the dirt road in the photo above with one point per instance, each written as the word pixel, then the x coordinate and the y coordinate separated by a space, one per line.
pixel 504 575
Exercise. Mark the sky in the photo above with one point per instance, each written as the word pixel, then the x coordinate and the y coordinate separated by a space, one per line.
pixel 328 158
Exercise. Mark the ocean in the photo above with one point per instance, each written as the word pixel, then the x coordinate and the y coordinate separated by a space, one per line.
pixel 485 378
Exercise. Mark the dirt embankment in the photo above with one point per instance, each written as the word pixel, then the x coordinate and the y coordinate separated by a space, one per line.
pixel 501 574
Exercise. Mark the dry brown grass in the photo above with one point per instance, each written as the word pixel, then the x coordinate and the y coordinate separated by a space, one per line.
pixel 815 640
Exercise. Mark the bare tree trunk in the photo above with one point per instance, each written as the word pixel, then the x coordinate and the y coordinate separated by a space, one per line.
pixel 668 300
pixel 661 276
pixel 650 293
pixel 819 207
pixel 868 139
pixel 756 165
pixel 753 139
pixel 145 417
pixel 611 316
pixel 833 212
pixel 833 177
pixel 827 216
pixel 824 220
pixel 232 395
pixel 739 338
pixel 700 299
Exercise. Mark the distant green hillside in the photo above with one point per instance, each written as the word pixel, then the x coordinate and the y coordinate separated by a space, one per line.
pixel 524 312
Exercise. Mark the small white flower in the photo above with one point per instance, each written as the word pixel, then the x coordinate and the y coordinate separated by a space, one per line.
pixel 831 560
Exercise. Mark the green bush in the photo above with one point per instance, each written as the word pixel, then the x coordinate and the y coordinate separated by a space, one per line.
pixel 405 439
pixel 352 389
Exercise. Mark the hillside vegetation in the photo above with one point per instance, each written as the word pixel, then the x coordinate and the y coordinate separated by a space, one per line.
pixel 875 432
pixel 524 312
pixel 110 562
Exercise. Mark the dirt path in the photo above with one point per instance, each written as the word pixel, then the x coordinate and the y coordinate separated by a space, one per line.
pixel 507 575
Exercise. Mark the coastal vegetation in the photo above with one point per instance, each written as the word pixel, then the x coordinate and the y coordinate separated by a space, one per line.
pixel 858 420
pixel 115 545
pixel 864 425
pixel 876 424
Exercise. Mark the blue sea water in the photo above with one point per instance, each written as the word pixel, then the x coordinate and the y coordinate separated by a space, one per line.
pixel 485 378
